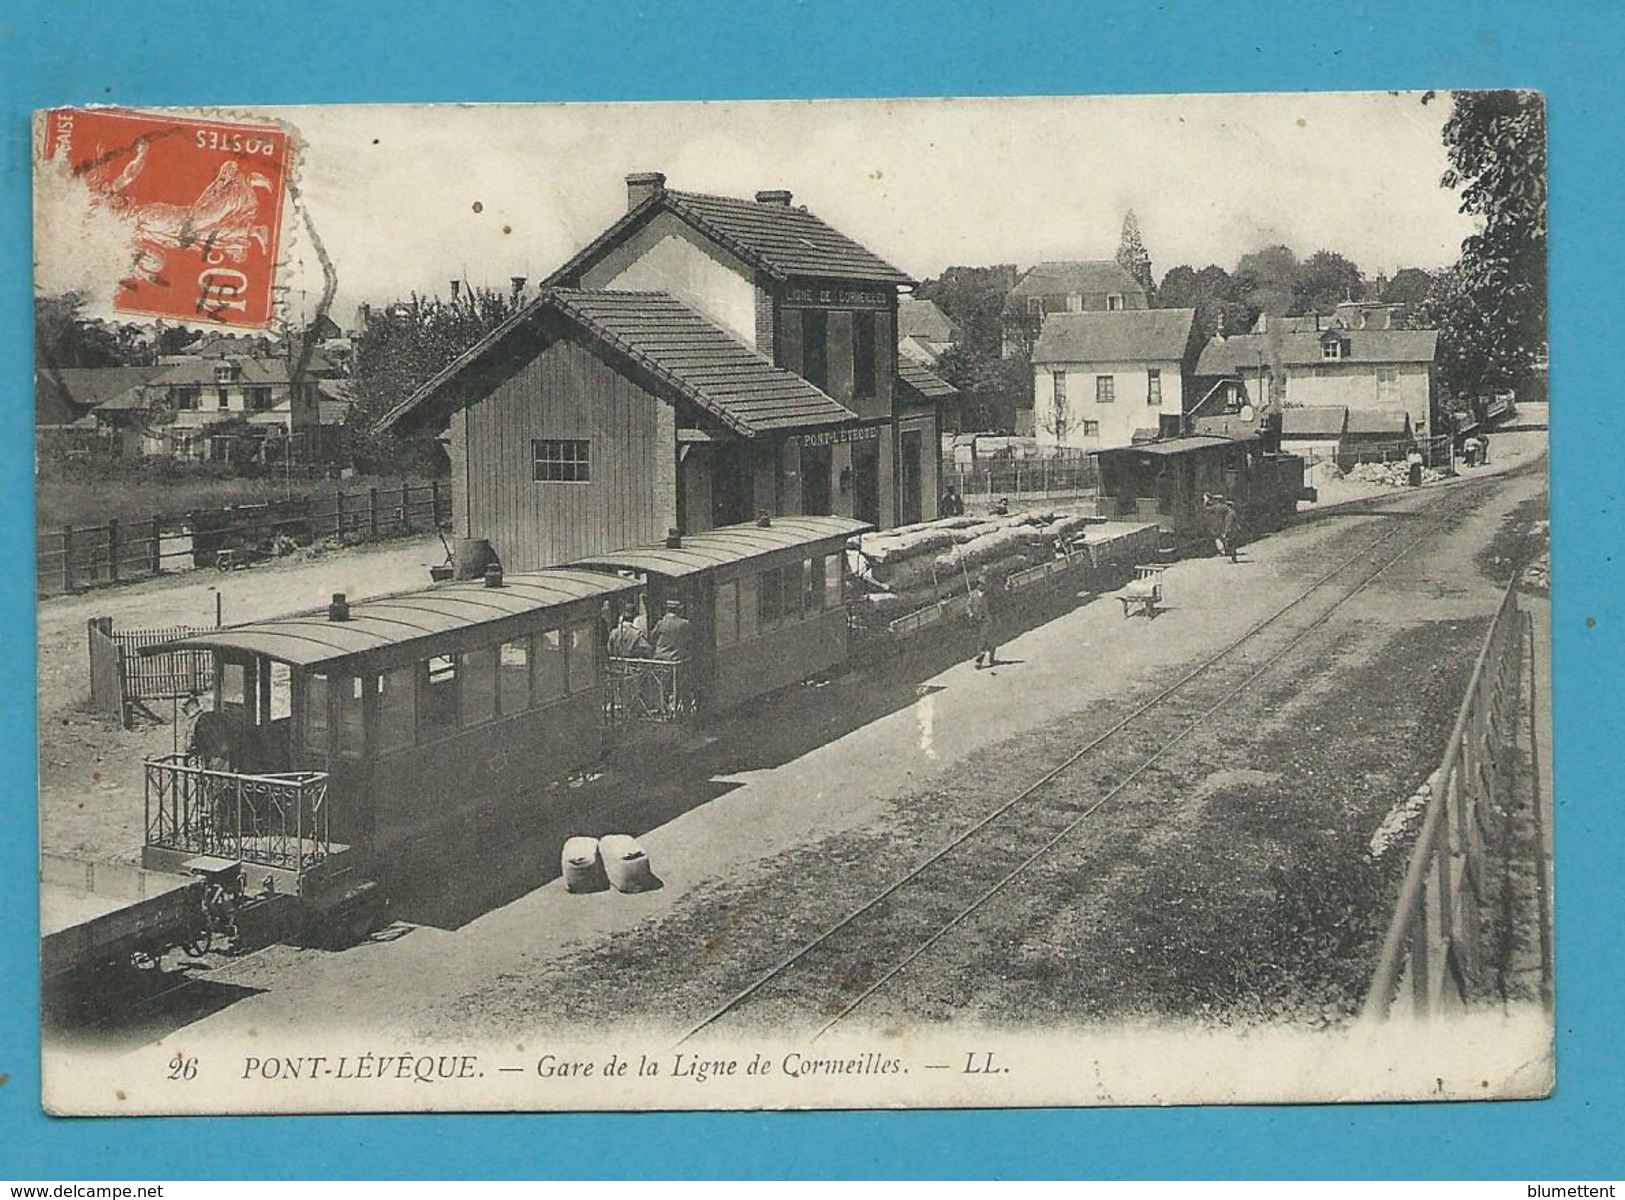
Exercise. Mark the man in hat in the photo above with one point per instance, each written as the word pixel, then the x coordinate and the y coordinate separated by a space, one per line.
pixel 981 612
pixel 626 640
pixel 673 637
pixel 951 505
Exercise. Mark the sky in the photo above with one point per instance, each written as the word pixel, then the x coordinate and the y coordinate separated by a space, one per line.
pixel 405 199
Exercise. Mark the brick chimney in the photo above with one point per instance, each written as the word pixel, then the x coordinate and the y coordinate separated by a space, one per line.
pixel 642 185
pixel 776 196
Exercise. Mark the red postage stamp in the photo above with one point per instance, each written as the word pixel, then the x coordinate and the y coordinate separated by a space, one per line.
pixel 198 202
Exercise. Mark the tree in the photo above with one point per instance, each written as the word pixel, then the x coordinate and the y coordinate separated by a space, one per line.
pixel 1323 281
pixel 1133 257
pixel 64 338
pixel 1410 285
pixel 994 386
pixel 973 299
pixel 1217 298
pixel 1265 277
pixel 1491 309
pixel 405 345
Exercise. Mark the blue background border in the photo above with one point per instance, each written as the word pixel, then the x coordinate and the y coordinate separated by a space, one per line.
pixel 160 53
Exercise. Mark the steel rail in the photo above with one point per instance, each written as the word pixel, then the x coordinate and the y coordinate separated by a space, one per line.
pixel 1072 759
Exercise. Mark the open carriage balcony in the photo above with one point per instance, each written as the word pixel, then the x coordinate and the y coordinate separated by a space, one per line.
pixel 276 820
pixel 647 690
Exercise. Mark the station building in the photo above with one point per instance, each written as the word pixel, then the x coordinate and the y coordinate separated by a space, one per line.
pixel 704 360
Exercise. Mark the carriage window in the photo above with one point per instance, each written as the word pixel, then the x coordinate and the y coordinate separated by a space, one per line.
pixel 513 676
pixel 812 591
pixel 315 706
pixel 478 695
pixel 748 608
pixel 833 572
pixel 769 600
pixel 727 613
pixel 281 691
pixel 397 709
pixel 437 710
pixel 583 657
pixel 351 691
pixel 552 675
pixel 234 684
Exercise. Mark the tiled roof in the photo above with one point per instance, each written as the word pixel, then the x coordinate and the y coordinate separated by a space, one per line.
pixel 1392 422
pixel 1075 278
pixel 924 380
pixel 776 238
pixel 64 393
pixel 924 320
pixel 1126 335
pixel 723 376
pixel 785 240
pixel 1229 356
pixel 200 371
pixel 1321 420
pixel 651 330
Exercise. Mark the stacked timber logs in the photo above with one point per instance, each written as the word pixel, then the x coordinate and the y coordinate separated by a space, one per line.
pixel 915 565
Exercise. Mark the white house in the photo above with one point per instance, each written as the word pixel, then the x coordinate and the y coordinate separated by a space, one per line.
pixel 1387 369
pixel 1110 378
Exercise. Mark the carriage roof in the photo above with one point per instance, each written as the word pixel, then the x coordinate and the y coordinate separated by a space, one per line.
pixel 731 544
pixel 311 639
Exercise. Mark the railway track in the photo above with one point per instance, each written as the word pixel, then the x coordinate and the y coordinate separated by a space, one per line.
pixel 826 979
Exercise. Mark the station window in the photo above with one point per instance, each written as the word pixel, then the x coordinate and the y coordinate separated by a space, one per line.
pixel 477 697
pixel 1058 380
pixel 397 709
pixel 815 347
pixel 561 460
pixel 350 692
pixel 864 341
pixel 315 711
pixel 437 708
pixel 583 656
pixel 1105 389
pixel 749 614
pixel 727 616
pixel 551 677
pixel 1091 429
pixel 1153 387
pixel 513 676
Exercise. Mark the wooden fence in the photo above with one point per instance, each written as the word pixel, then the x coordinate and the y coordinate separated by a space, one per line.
pixel 78 557
pixel 1432 960
pixel 121 678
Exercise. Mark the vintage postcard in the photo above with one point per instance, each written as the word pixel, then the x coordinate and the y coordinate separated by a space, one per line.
pixel 801 604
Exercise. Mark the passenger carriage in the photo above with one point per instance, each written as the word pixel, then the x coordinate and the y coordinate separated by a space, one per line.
pixel 357 729
pixel 766 602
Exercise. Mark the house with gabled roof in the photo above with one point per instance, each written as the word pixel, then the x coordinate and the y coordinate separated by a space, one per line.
pixel 1104 379
pixel 1387 369
pixel 1102 285
pixel 924 331
pixel 703 360
pixel 224 407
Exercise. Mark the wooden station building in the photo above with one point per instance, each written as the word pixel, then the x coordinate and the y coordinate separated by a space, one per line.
pixel 703 361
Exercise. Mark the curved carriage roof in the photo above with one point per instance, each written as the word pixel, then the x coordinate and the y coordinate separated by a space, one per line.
pixel 728 545
pixel 310 639
pixel 1189 444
